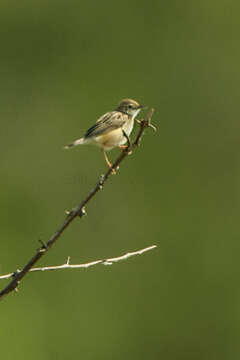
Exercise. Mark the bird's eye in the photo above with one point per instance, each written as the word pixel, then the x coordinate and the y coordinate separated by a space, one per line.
pixel 130 106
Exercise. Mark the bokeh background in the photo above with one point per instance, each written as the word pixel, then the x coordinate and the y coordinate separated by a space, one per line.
pixel 63 64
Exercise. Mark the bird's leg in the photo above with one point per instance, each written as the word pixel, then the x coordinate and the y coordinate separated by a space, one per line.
pixel 126 147
pixel 127 137
pixel 107 161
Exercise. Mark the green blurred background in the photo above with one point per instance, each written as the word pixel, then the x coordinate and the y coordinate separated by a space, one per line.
pixel 63 64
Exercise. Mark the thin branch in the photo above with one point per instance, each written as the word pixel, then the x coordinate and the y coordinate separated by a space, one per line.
pixel 78 211
pixel 67 264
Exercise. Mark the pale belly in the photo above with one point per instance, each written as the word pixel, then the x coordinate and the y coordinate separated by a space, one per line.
pixel 114 138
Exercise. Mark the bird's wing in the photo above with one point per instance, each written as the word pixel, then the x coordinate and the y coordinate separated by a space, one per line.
pixel 108 122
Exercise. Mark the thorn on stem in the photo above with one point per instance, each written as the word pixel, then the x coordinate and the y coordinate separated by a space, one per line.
pixel 44 246
pixel 101 182
pixel 18 282
pixel 102 178
pixel 82 212
pixel 15 273
pixel 107 263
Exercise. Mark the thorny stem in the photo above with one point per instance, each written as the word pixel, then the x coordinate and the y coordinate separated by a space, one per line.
pixel 78 211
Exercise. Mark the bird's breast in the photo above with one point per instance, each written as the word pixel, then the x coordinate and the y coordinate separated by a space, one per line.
pixel 128 126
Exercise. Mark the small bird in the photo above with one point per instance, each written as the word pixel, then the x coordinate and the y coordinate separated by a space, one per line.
pixel 112 129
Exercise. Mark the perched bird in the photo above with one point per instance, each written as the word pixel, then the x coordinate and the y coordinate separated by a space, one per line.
pixel 112 129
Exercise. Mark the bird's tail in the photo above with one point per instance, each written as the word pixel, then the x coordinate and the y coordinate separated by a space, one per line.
pixel 76 142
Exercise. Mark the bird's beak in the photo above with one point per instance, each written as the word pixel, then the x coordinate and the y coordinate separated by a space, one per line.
pixel 142 107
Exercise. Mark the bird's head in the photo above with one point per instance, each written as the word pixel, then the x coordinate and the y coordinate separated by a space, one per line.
pixel 130 107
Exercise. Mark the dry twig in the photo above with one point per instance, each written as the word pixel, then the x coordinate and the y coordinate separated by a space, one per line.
pixel 78 211
pixel 67 264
